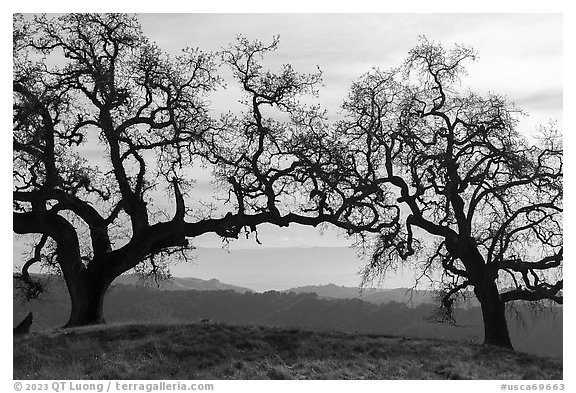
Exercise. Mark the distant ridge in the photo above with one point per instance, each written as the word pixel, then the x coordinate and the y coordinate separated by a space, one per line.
pixel 379 296
pixel 182 284
pixel 263 269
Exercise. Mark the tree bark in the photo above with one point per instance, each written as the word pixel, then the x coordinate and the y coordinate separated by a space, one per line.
pixel 87 300
pixel 483 278
pixel 494 315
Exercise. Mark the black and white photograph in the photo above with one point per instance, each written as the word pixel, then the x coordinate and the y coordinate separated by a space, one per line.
pixel 208 196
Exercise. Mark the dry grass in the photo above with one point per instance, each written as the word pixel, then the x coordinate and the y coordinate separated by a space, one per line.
pixel 218 351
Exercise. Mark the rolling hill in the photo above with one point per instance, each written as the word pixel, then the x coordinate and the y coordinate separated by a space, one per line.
pixel 536 333
pixel 224 351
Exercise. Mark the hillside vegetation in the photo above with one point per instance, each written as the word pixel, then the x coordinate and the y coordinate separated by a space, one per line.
pixel 220 351
pixel 540 334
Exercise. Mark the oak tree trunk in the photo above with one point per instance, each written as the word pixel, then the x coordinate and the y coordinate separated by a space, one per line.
pixel 493 308
pixel 494 315
pixel 87 299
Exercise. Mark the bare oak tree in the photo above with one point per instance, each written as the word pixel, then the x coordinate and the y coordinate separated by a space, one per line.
pixel 413 155
pixel 82 80
pixel 464 176
pixel 96 77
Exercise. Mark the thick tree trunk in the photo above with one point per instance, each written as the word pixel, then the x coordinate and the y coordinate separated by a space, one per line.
pixel 87 298
pixel 494 314
pixel 483 278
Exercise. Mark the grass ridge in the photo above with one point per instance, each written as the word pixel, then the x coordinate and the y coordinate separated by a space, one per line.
pixel 225 351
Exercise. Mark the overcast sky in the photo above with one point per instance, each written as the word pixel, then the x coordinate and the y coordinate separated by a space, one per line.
pixel 520 54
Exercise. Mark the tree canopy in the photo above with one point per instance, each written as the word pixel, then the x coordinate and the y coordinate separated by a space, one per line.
pixel 463 173
pixel 415 159
pixel 95 78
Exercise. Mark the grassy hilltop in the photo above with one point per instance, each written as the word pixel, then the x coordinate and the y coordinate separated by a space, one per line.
pixel 220 351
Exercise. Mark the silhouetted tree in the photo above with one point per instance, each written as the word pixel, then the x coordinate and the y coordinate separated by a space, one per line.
pixel 459 170
pixel 81 78
pixel 280 155
pixel 411 153
pixel 87 80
